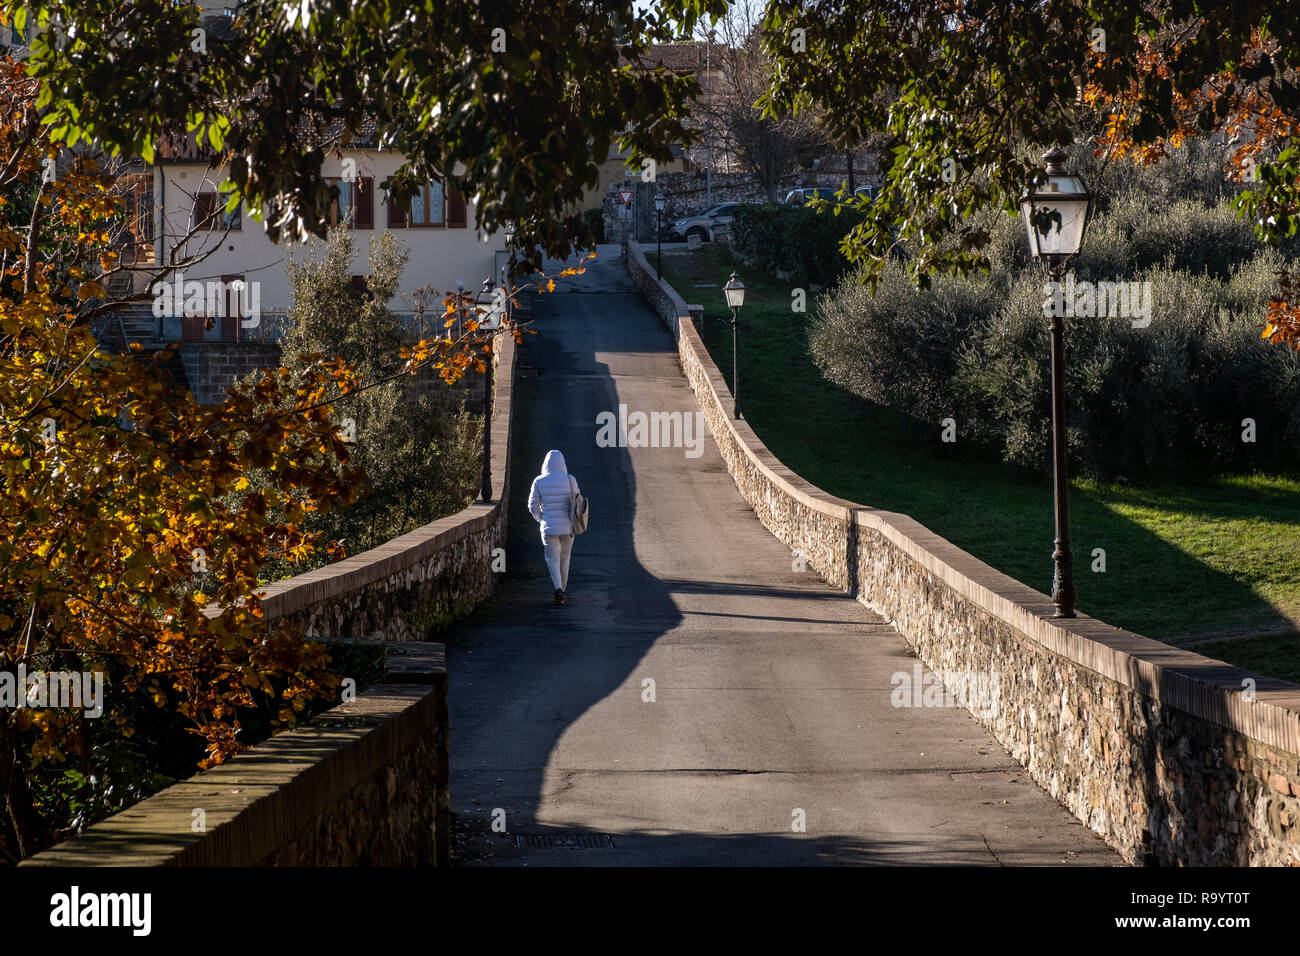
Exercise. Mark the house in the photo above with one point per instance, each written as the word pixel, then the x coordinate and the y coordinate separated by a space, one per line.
pixel 438 228
pixel 228 309
pixel 224 288
pixel 166 199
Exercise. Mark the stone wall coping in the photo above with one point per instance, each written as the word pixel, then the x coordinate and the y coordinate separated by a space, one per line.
pixel 1202 686
pixel 254 803
pixel 391 557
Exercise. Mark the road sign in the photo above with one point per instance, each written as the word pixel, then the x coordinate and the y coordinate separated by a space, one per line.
pixel 626 196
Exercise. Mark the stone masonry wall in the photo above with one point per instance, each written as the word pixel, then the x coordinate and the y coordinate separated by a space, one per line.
pixel 413 583
pixel 688 194
pixel 1156 749
pixel 365 784
pixel 210 367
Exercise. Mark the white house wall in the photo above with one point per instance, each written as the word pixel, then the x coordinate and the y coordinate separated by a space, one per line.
pixel 435 256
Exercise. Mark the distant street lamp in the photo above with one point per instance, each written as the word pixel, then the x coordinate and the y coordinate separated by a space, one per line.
pixel 735 292
pixel 1056 218
pixel 660 200
pixel 505 268
pixel 488 315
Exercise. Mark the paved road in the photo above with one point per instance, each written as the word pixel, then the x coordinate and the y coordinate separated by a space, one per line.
pixel 772 691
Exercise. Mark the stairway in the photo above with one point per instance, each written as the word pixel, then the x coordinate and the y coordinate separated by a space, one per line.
pixel 140 324
pixel 172 366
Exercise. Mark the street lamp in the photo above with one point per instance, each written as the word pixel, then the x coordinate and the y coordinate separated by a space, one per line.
pixel 460 306
pixel 489 318
pixel 660 200
pixel 505 268
pixel 735 292
pixel 1056 218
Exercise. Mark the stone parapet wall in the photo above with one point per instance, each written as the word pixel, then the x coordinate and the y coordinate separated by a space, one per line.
pixel 421 580
pixel 365 784
pixel 1156 749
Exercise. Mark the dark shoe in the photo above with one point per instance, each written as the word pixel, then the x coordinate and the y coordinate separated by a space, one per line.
pixel 559 597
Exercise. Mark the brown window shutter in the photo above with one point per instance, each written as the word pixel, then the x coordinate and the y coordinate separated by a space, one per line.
pixel 457 214
pixel 365 218
pixel 205 206
pixel 396 214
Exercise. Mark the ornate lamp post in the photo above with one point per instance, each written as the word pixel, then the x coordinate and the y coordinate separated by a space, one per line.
pixel 735 292
pixel 489 319
pixel 1056 213
pixel 660 201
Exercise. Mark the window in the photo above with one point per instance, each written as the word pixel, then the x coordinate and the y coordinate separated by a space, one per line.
pixel 204 206
pixel 355 205
pixel 433 206
pixel 428 206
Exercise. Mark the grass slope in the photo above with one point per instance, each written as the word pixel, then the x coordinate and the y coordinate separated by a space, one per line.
pixel 1219 556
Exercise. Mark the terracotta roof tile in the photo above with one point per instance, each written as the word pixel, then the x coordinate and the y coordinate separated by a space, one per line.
pixel 677 57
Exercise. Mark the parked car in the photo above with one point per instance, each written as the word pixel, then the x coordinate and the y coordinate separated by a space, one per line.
pixel 797 197
pixel 701 225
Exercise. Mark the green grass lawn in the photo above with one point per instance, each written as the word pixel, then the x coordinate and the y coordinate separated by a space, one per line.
pixel 1190 559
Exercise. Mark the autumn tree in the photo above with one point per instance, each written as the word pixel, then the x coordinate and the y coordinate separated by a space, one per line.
pixel 111 487
pixel 135 537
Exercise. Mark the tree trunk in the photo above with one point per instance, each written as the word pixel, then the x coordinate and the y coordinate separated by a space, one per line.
pixel 32 833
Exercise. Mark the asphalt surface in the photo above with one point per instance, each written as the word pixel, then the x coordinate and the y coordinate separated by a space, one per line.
pixel 772 692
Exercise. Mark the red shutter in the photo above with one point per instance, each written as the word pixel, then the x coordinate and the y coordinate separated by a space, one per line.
pixel 365 217
pixel 231 317
pixel 205 206
pixel 457 215
pixel 396 213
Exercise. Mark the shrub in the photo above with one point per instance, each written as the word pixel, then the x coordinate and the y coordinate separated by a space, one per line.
pixel 1194 171
pixel 898 347
pixel 797 240
pixel 594 219
pixel 421 456
pixel 1187 234
pixel 1164 400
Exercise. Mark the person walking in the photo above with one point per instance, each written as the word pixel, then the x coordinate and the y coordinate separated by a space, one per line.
pixel 549 503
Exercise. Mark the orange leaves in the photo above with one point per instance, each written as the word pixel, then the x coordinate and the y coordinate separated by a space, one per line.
pixel 1282 326
pixel 1243 113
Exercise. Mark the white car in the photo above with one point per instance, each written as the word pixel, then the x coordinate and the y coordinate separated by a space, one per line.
pixel 701 225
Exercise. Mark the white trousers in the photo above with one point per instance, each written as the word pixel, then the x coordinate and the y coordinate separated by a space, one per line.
pixel 558 547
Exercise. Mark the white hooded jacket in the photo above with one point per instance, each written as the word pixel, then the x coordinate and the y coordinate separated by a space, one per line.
pixel 548 499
